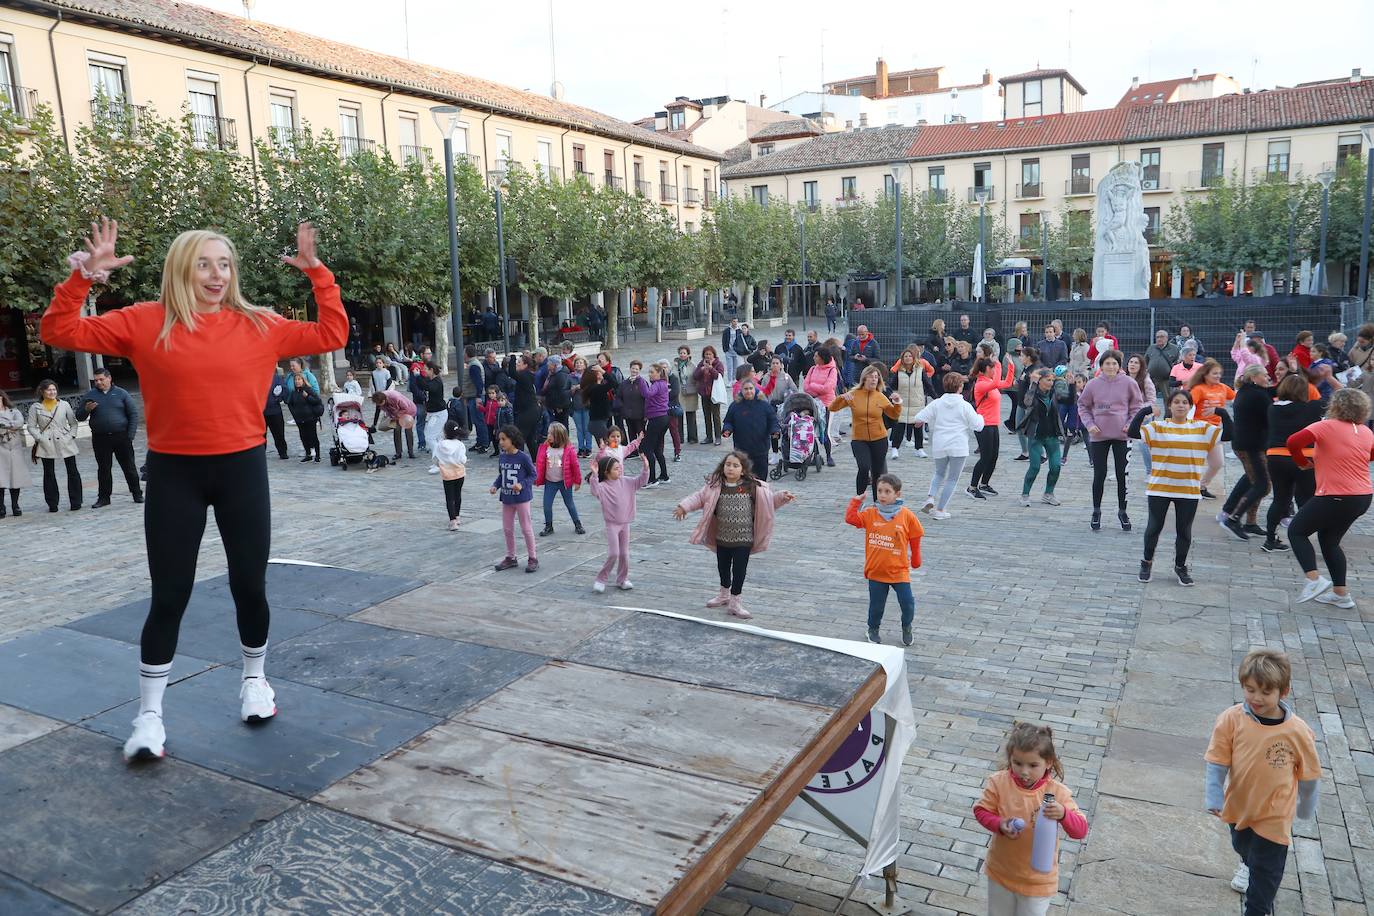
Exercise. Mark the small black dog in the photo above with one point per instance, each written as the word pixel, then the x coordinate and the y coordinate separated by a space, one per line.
pixel 375 462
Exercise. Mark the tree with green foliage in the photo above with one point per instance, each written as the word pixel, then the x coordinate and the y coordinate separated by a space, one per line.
pixel 1071 242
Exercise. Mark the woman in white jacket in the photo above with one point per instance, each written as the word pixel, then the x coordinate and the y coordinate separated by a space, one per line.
pixel 951 420
pixel 52 424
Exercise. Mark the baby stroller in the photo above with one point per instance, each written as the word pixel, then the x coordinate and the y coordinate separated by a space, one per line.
pixel 352 438
pixel 801 428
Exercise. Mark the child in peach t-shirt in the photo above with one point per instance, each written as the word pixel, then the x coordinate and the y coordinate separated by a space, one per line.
pixel 1012 797
pixel 1271 758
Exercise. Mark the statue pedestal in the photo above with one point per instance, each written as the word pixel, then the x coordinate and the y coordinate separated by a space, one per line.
pixel 1121 278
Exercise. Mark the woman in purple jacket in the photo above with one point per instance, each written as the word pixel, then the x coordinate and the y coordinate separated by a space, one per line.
pixel 655 392
pixel 1105 408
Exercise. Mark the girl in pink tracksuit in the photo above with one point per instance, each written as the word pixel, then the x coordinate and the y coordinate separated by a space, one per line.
pixel 737 513
pixel 616 493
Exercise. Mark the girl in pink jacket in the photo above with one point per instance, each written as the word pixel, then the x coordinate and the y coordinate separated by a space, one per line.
pixel 617 495
pixel 737 513
pixel 557 471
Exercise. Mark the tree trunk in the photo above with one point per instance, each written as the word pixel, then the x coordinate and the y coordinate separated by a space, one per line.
pixel 326 377
pixel 747 301
pixel 612 316
pixel 658 316
pixel 786 304
pixel 441 326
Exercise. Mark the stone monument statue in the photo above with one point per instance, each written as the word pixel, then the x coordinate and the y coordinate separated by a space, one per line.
pixel 1121 256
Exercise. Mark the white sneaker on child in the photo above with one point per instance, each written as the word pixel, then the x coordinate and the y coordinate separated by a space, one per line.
pixel 1240 881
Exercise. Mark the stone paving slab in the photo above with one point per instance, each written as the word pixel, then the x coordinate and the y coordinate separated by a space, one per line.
pixel 405 670
pixel 68 675
pixel 20 898
pixel 18 726
pixel 324 862
pixel 315 739
pixel 209 628
pixel 331 589
pixel 104 831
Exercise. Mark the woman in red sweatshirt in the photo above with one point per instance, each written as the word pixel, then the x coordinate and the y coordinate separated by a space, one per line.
pixel 198 458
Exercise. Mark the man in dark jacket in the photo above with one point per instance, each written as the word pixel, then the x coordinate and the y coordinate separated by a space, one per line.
pixel 491 324
pixel 1160 359
pixel 114 424
pixel 859 351
pixel 271 412
pixel 733 346
pixel 1053 350
pixel 966 332
pixel 787 351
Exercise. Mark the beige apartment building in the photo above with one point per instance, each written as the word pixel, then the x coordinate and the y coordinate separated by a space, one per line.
pixel 243 80
pixel 1033 165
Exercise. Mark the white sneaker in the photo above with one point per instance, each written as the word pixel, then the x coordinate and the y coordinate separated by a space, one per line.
pixel 1313 588
pixel 626 586
pixel 941 514
pixel 259 700
pixel 920 453
pixel 1240 881
pixel 1049 499
pixel 928 504
pixel 893 454
pixel 1336 600
pixel 434 470
pixel 1024 499
pixel 598 586
pixel 146 743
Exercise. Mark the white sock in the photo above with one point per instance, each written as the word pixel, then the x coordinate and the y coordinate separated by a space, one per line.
pixel 152 681
pixel 253 660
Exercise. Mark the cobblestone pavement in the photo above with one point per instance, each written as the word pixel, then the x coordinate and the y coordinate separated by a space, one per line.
pixel 1021 613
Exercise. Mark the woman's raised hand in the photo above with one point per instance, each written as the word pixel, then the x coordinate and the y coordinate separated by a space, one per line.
pixel 304 258
pixel 101 245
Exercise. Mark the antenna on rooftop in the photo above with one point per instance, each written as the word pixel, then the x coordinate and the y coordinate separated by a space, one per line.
pixel 248 7
pixel 405 24
pixel 555 87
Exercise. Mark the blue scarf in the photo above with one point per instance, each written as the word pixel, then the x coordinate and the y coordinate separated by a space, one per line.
pixel 889 512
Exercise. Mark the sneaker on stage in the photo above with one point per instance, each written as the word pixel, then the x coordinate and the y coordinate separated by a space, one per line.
pixel 146 743
pixel 259 700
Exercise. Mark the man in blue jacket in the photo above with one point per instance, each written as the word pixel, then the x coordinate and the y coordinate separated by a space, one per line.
pixel 114 424
pixel 860 350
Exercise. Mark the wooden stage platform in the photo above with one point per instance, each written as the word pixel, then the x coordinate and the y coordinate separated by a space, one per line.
pixel 436 751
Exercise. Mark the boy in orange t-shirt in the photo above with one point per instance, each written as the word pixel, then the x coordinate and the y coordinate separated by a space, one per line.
pixel 1271 757
pixel 892 549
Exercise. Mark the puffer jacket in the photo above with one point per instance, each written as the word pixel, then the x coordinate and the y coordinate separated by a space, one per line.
pixel 911 388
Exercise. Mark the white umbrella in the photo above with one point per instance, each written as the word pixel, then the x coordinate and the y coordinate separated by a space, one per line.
pixel 978 279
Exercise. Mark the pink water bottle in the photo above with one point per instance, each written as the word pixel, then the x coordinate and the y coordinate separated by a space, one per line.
pixel 1044 838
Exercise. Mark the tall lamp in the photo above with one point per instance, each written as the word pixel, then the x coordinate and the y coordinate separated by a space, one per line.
pixel 1325 179
pixel 1368 131
pixel 446 119
pixel 897 208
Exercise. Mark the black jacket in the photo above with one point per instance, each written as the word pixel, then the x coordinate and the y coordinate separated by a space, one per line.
pixel 1250 411
pixel 558 391
pixel 1041 420
pixel 305 405
pixel 433 389
pixel 115 411
pixel 1287 417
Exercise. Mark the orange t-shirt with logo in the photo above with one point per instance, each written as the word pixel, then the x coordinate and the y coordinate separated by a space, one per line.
pixel 892 548
pixel 1214 396
pixel 1267 762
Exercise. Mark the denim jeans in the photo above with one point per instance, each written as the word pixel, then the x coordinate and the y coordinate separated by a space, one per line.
pixel 420 414
pixel 582 419
pixel 551 490
pixel 946 478
pixel 477 423
pixel 877 601
pixel 1048 447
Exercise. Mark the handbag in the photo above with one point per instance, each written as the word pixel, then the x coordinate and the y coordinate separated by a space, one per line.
pixel 719 393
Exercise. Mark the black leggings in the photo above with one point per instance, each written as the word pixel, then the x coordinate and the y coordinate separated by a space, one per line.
pixel 1184 512
pixel 180 490
pixel 50 491
pixel 453 496
pixel 1289 482
pixel 654 431
pixel 310 436
pixel 528 424
pixel 1252 486
pixel 410 440
pixel 989 443
pixel 1099 450
pixel 733 563
pixel 872 460
pixel 1329 517
pixel 902 431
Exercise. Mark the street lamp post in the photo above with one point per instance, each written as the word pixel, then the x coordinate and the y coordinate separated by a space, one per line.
pixel 1294 204
pixel 1368 131
pixel 801 221
pixel 451 113
pixel 1045 251
pixel 981 194
pixel 1325 178
pixel 501 259
pixel 897 207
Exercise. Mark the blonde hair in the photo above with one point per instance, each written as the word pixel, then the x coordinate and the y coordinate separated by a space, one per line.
pixel 178 285
pixel 938 325
pixel 1350 405
pixel 558 435
pixel 1267 669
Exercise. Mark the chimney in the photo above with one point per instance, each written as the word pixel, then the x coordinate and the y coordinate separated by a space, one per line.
pixel 987 77
pixel 880 83
pixel 1195 73
pixel 848 125
pixel 1135 83
pixel 863 119
pixel 1355 75
pixel 762 99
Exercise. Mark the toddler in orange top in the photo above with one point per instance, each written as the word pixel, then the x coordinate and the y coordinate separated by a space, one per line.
pixel 1271 757
pixel 1012 797
pixel 892 549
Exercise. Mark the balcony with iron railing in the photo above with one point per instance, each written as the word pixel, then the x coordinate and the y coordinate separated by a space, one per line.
pixel 548 172
pixel 117 118
pixel 1029 191
pixel 580 172
pixel 1078 186
pixel 210 132
pixel 667 193
pixel 471 159
pixel 1154 236
pixel 352 146
pixel 691 196
pixel 812 205
pixel 990 189
pixel 1156 182
pixel 419 154
pixel 938 195
pixel 643 188
pixel 613 181
pixel 21 102
pixel 847 200
pixel 1204 179
pixel 709 200
pixel 286 140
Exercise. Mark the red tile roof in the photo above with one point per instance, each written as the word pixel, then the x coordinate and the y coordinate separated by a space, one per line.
pixel 1276 109
pixel 1147 93
pixel 1075 129
pixel 221 33
pixel 1042 74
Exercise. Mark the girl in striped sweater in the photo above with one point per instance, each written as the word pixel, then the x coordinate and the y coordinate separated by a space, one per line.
pixel 1179 445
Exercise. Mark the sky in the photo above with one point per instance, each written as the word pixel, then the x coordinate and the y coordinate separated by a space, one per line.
pixel 629 59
